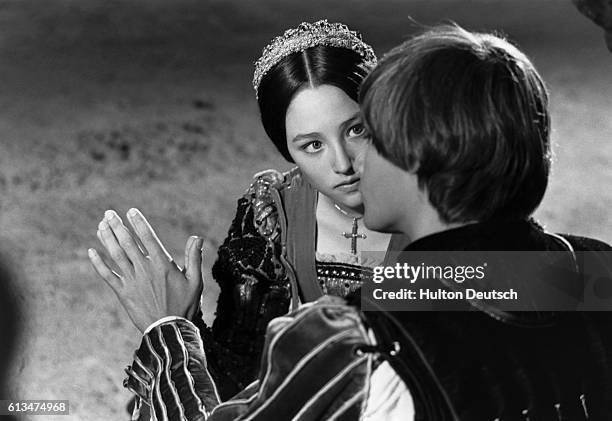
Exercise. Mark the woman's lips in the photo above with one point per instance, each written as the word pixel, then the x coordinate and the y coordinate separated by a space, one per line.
pixel 349 186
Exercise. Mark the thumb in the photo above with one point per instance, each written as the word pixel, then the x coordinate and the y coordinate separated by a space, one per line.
pixel 193 260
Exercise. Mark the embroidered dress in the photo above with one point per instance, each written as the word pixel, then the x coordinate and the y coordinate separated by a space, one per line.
pixel 341 274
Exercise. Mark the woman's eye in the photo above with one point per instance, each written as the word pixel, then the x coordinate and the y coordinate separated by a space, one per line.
pixel 356 130
pixel 312 147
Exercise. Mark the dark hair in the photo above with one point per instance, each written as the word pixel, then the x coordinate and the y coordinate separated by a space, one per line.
pixel 315 66
pixel 468 113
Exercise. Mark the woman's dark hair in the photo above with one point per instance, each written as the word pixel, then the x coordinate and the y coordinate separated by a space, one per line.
pixel 468 114
pixel 315 66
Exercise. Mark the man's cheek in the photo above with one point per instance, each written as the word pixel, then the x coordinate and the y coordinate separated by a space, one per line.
pixel 358 160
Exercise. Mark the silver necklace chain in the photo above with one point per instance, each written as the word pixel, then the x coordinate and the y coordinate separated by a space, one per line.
pixel 345 213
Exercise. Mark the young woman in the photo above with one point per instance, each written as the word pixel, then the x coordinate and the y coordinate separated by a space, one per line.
pixel 296 236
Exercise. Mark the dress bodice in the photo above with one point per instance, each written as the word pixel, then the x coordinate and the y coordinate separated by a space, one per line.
pixel 341 274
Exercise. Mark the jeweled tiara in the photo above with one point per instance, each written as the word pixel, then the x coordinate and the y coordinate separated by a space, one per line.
pixel 310 35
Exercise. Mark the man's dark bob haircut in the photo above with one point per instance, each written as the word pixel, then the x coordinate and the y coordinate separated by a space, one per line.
pixel 468 114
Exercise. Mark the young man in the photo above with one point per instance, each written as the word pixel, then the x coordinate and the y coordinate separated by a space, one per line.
pixel 459 160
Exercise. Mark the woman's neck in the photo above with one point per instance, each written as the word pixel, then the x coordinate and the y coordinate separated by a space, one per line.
pixel 335 226
pixel 351 212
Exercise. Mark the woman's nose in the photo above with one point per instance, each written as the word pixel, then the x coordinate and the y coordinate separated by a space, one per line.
pixel 342 161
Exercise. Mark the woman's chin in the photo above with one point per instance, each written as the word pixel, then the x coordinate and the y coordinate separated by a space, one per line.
pixel 352 200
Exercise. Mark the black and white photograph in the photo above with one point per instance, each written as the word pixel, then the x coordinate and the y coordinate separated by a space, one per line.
pixel 306 210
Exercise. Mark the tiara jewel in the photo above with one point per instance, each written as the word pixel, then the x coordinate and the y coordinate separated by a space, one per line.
pixel 308 35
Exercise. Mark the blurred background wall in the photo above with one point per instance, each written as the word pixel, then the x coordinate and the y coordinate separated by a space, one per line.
pixel 148 103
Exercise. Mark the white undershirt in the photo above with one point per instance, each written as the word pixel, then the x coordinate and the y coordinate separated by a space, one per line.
pixel 389 398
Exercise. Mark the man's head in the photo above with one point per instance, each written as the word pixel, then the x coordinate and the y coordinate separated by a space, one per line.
pixel 466 116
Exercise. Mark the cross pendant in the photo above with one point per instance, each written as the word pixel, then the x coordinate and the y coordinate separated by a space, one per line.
pixel 354 235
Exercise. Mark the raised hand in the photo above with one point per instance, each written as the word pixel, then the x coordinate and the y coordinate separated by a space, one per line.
pixel 150 284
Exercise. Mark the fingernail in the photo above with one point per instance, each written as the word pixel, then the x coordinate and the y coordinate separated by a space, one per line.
pixel 132 212
pixel 109 214
pixel 91 252
pixel 103 225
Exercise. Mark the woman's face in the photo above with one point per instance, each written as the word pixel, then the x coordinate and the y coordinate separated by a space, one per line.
pixel 324 135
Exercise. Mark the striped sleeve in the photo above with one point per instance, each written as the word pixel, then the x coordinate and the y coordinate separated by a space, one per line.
pixel 169 373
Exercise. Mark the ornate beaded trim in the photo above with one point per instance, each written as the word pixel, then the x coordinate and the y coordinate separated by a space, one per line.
pixel 340 279
pixel 308 35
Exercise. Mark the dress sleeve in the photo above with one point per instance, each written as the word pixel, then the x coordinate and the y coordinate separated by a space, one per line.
pixel 254 290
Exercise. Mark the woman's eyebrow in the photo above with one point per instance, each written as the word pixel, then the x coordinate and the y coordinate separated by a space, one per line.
pixel 356 116
pixel 305 136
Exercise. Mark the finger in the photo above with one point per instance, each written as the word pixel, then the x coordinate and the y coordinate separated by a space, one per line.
pixel 99 235
pixel 114 249
pixel 134 238
pixel 194 269
pixel 123 235
pixel 111 278
pixel 147 235
pixel 188 246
